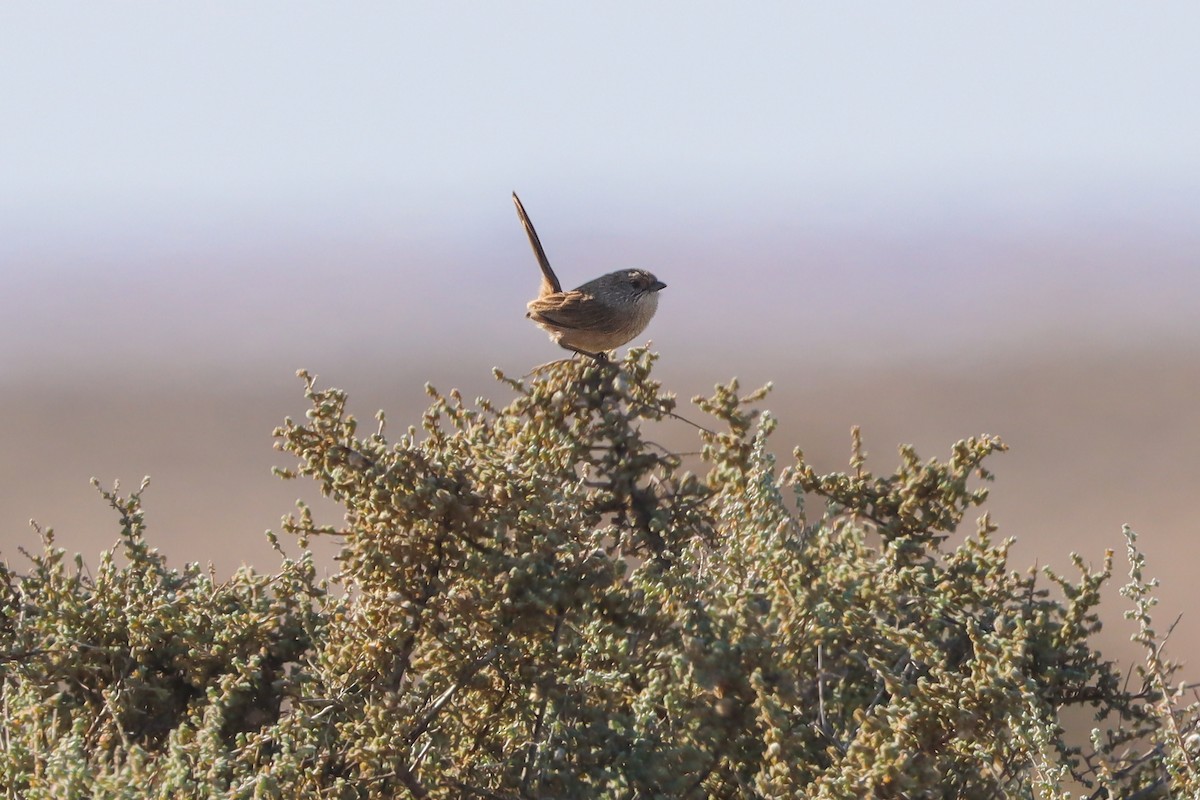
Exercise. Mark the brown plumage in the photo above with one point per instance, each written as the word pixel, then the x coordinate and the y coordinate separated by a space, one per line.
pixel 600 315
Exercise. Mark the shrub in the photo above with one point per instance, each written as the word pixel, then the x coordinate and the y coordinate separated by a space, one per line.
pixel 538 601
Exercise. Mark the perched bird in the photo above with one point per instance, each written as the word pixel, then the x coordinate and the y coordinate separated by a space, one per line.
pixel 600 315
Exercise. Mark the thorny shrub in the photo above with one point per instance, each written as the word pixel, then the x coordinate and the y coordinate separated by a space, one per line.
pixel 537 601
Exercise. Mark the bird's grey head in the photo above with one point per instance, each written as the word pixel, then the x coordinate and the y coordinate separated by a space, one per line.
pixel 631 285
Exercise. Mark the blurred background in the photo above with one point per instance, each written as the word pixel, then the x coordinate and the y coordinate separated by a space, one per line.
pixel 931 221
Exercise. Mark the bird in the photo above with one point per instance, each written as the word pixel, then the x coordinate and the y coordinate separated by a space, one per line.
pixel 600 315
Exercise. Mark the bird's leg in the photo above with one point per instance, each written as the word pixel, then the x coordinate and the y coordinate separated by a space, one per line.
pixel 599 358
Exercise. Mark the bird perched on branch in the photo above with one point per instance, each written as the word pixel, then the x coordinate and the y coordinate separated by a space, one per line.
pixel 600 315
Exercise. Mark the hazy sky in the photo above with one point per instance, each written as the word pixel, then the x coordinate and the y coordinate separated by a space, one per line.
pixel 204 154
pixel 216 108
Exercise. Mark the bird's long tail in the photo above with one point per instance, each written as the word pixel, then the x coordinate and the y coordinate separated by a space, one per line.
pixel 549 279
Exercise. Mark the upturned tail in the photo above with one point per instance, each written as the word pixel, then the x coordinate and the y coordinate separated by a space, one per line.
pixel 550 282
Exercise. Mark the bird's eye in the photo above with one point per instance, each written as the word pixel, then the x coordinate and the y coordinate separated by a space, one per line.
pixel 638 282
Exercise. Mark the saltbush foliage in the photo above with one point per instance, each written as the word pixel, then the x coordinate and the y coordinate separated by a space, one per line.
pixel 538 601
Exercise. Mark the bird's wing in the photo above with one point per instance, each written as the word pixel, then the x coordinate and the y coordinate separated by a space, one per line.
pixel 570 310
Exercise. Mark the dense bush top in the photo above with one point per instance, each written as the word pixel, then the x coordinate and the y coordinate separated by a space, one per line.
pixel 537 601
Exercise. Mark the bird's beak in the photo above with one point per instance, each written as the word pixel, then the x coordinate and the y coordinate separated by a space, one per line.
pixel 657 286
